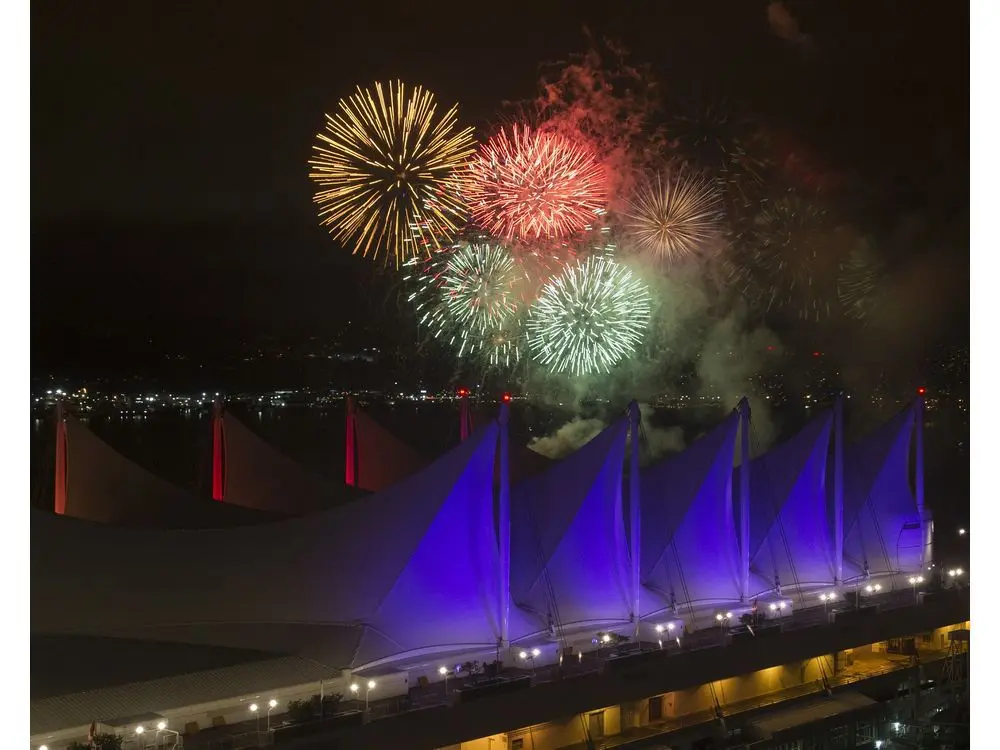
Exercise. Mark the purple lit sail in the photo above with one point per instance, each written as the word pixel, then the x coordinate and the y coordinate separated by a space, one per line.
pixel 689 544
pixel 790 536
pixel 881 523
pixel 569 561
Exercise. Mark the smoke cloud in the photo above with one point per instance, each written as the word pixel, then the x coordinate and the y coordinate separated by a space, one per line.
pixel 658 441
pixel 573 435
pixel 734 353
pixel 785 26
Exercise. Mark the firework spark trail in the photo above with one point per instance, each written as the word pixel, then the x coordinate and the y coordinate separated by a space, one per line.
pixel 859 273
pixel 532 184
pixel 470 299
pixel 675 215
pixel 385 168
pixel 589 318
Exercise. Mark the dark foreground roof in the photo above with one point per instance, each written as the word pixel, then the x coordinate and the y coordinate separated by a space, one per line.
pixel 64 664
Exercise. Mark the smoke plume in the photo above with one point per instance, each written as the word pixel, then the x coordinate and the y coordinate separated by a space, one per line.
pixel 658 441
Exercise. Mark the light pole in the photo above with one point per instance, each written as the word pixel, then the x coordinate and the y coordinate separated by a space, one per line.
pixel 138 735
pixel 368 688
pixel 873 588
pixel 162 727
pixel 826 599
pixel 526 655
pixel 914 582
pixel 443 671
pixel 271 705
pixel 255 710
pixel 777 608
pixel 723 620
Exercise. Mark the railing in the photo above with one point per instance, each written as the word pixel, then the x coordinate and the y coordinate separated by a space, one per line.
pixel 433 696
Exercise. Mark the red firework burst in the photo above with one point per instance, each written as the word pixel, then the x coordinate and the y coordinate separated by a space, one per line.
pixel 528 184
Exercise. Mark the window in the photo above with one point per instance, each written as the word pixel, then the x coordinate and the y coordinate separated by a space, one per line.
pixel 837 738
pixel 596 724
pixel 656 708
pixel 865 733
pixel 792 745
pixel 517 744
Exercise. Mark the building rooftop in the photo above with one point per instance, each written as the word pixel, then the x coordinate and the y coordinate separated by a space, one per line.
pixel 807 713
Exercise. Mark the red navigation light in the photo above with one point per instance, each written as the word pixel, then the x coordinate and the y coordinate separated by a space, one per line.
pixel 770 348
pixel 816 354
pixel 506 398
pixel 921 390
pixel 463 392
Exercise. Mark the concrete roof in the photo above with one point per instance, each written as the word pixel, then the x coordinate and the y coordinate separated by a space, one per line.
pixel 142 698
pixel 807 713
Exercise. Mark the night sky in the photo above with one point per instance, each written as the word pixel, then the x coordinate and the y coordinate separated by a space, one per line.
pixel 169 188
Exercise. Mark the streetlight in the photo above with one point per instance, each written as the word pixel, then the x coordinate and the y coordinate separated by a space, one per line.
pixel 915 581
pixel 138 735
pixel 873 588
pixel 368 688
pixel 255 710
pixel 778 607
pixel 531 655
pixel 43 747
pixel 955 572
pixel 271 705
pixel 443 671
pixel 878 744
pixel 826 599
pixel 723 619
pixel 961 532
pixel 161 726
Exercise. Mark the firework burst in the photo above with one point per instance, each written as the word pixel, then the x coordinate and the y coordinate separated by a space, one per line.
pixel 589 318
pixel 385 166
pixel 528 184
pixel 791 259
pixel 675 214
pixel 470 298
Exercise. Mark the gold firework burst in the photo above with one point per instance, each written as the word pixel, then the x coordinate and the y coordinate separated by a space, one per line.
pixel 384 166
